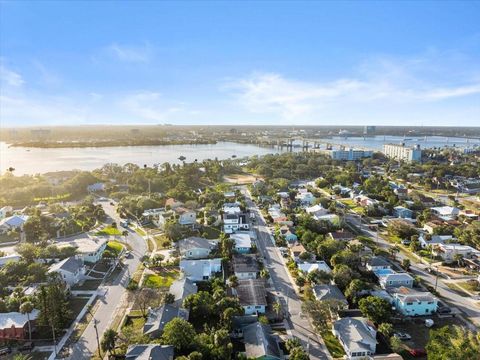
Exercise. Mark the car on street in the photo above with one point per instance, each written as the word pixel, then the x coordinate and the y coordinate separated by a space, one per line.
pixel 417 352
pixel 5 350
pixel 402 336
pixel 128 254
pixel 443 309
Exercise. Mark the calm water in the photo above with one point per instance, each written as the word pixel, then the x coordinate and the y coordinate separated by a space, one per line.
pixel 35 160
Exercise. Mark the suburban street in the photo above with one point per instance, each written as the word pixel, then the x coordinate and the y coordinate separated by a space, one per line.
pixel 453 299
pixel 299 325
pixel 114 294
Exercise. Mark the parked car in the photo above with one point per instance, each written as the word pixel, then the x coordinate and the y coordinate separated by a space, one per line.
pixel 405 242
pixel 28 346
pixel 5 350
pixel 128 254
pixel 442 309
pixel 429 323
pixel 402 336
pixel 417 352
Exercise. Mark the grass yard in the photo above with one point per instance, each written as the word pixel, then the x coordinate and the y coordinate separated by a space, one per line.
pixel 162 279
pixel 211 232
pixel 140 231
pixel 115 247
pixel 5 238
pixel 76 304
pixel 106 231
pixel 162 242
pixel 88 285
pixel 332 343
pixel 471 286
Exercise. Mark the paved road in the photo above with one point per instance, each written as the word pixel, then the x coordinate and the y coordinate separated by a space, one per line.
pixel 298 323
pixel 453 299
pixel 114 295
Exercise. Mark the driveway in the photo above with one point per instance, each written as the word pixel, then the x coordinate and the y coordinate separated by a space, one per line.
pixel 299 326
pixel 115 293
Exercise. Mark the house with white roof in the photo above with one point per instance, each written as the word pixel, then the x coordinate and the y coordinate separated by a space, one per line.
pixel 181 288
pixel 12 223
pixel 14 325
pixel 4 211
pixel 448 252
pixel 357 336
pixel 243 242
pixel 71 270
pixel 201 270
pixel 434 240
pixel 89 249
pixel 9 258
pixel 324 292
pixel 305 197
pixel 378 263
pixel 391 279
pixel 308 267
pixel 445 212
pixel 150 351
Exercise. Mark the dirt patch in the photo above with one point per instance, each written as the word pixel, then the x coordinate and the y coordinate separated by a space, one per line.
pixel 240 179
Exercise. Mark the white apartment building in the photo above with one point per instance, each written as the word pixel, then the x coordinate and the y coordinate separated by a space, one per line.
pixel 402 152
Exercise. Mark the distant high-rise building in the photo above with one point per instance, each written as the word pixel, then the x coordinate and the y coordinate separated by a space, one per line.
pixel 350 154
pixel 369 130
pixel 401 152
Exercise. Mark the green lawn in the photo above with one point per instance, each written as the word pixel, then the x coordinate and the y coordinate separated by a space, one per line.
pixel 88 285
pixel 332 343
pixel 106 231
pixel 162 279
pixel 114 246
pixel 4 238
pixel 162 242
pixel 211 232
pixel 469 286
pixel 140 231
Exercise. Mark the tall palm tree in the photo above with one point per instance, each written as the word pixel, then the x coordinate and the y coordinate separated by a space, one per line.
pixel 27 308
pixel 109 339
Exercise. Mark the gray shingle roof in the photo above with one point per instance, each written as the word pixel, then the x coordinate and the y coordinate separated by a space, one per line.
pixel 71 264
pixel 150 351
pixel 378 261
pixel 259 341
pixel 251 292
pixel 194 242
pixel 329 292
pixel 158 318
pixel 354 332
pixel 182 288
pixel 245 263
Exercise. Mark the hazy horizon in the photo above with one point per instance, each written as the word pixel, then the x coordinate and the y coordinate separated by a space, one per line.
pixel 239 63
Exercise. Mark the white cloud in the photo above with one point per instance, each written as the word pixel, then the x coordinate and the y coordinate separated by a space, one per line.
pixel 133 54
pixel 10 77
pixel 380 81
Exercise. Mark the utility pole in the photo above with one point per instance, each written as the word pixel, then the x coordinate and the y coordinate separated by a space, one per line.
pixel 98 339
pixel 436 279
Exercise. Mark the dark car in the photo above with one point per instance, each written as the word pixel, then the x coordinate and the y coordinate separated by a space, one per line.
pixel 444 310
pixel 5 350
pixel 417 352
pixel 28 346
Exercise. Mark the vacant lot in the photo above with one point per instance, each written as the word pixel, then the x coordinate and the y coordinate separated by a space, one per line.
pixel 160 279
pixel 240 178
pixel 115 247
pixel 109 231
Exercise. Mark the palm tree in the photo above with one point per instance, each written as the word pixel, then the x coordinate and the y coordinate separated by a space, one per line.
pixel 27 308
pixel 277 308
pixel 393 251
pixel 108 342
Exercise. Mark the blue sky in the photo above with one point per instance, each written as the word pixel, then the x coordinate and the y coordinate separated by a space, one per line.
pixel 315 63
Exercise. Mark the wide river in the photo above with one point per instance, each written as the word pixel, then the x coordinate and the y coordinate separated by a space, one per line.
pixel 36 160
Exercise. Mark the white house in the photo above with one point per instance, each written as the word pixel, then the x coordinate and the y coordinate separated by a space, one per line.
pixel 435 240
pixel 71 270
pixel 12 223
pixel 252 295
pixel 185 216
pixel 89 249
pixel 307 267
pixel 245 266
pixel 201 270
pixel 446 212
pixel 243 242
pixel 357 336
pixel 234 222
pixel 195 247
pixel 378 263
pixel 391 279
pixel 9 258
pixel 448 252
pixel 305 197
pixel 4 211
pixel 316 210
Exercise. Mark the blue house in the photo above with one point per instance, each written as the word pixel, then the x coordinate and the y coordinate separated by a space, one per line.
pixel 402 212
pixel 410 302
pixel 243 242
